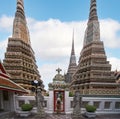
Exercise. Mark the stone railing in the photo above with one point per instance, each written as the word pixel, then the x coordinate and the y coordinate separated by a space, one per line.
pixel 105 105
pixel 19 100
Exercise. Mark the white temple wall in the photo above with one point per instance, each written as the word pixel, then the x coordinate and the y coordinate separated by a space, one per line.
pixel 50 100
pixel 68 101
pixel 104 105
pixel 7 101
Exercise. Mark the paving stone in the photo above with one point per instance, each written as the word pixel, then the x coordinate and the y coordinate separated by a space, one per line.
pixel 62 116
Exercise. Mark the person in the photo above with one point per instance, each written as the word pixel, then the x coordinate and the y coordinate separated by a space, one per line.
pixel 58 105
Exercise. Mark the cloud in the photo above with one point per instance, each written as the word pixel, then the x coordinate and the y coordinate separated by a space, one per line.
pixel 51 41
pixel 6 24
pixel 110 33
pixel 115 63
pixel 3 45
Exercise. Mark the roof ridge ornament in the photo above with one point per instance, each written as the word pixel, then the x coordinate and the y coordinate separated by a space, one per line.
pixel 58 70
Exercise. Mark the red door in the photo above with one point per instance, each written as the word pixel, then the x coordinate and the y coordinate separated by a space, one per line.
pixel 59 95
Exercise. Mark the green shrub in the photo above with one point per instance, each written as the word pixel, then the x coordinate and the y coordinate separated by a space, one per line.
pixel 47 94
pixel 26 107
pixel 71 94
pixel 90 108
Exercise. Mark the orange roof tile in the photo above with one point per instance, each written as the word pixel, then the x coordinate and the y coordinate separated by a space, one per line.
pixel 6 84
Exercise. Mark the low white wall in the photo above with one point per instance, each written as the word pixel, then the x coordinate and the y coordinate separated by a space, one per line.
pixel 101 107
pixel 111 108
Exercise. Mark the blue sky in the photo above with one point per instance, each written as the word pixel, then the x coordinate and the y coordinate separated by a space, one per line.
pixel 65 10
pixel 51 24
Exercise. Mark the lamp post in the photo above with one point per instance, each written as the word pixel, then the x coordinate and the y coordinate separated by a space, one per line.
pixel 35 84
pixel 39 98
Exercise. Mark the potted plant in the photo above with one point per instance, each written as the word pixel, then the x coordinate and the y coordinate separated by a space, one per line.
pixel 25 110
pixel 90 111
pixel 71 94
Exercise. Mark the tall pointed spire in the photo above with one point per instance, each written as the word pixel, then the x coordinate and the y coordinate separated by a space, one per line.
pixel 20 62
pixel 20 29
pixel 93 75
pixel 20 7
pixel 93 11
pixel 72 63
pixel 93 30
pixel 72 57
pixel 73 51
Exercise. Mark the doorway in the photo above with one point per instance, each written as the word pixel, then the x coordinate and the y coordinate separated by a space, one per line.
pixel 59 96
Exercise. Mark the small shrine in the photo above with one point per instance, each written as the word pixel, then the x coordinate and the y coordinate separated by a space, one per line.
pixel 58 91
pixel 58 82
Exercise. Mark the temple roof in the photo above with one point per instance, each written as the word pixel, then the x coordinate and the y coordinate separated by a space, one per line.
pixel 7 84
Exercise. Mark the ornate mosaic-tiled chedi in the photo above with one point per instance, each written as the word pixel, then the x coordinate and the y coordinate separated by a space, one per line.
pixel 94 75
pixel 19 59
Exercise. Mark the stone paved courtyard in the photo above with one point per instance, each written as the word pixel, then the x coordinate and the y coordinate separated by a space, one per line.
pixel 55 116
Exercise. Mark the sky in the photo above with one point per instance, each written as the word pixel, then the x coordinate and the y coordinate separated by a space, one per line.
pixel 51 24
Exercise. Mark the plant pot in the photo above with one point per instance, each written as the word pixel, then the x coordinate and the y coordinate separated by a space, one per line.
pixel 24 113
pixel 90 114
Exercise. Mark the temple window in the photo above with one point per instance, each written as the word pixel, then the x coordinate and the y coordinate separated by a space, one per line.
pixel 107 105
pixel 117 105
pixel 97 104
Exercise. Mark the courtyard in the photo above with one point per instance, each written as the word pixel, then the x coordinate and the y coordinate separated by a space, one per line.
pixel 63 116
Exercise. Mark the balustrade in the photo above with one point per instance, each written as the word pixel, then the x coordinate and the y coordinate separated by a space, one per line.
pixel 105 105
